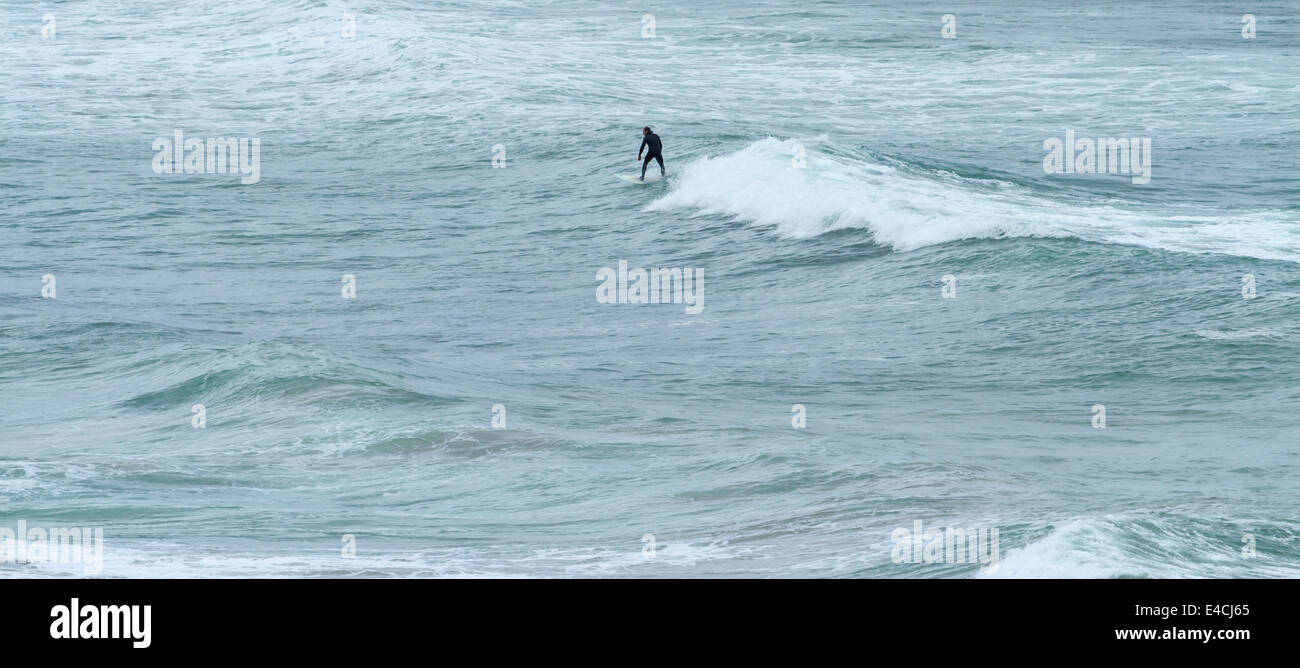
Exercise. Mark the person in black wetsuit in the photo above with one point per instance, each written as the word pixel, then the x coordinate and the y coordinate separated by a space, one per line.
pixel 651 140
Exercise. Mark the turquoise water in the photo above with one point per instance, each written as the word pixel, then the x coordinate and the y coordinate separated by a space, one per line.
pixel 822 286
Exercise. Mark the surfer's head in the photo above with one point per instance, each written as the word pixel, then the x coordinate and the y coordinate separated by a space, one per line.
pixel 645 130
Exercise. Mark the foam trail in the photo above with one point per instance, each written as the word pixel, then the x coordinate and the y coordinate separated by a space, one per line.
pixel 908 209
pixel 1145 547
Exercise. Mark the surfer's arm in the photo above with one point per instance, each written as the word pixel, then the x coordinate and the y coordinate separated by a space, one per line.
pixel 638 151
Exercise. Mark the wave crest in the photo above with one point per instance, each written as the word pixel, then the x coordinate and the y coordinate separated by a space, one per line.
pixel 907 207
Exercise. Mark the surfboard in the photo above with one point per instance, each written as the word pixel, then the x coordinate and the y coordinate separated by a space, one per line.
pixel 636 178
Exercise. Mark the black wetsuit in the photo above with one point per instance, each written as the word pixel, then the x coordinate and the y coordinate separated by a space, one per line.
pixel 655 147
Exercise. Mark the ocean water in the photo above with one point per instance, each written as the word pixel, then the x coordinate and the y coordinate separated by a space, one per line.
pixel 370 421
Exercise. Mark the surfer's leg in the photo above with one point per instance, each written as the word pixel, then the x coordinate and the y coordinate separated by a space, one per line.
pixel 660 158
pixel 645 163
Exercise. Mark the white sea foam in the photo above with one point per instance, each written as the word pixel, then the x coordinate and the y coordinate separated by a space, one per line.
pixel 1113 547
pixel 1237 335
pixel 907 209
pixel 186 561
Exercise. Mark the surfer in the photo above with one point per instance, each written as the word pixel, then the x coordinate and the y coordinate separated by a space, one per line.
pixel 650 140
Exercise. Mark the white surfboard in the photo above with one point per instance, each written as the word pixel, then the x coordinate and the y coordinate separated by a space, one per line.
pixel 636 178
